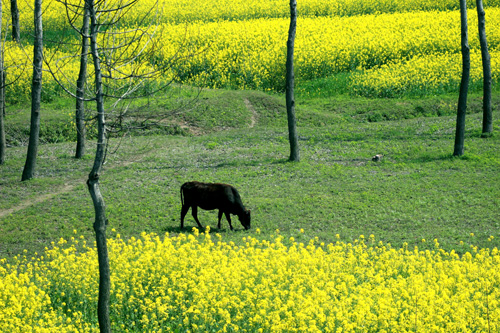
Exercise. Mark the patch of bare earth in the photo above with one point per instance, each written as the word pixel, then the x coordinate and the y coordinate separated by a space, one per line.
pixel 27 203
pixel 253 118
pixel 67 187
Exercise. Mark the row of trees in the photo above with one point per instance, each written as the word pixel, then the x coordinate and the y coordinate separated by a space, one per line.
pixel 464 83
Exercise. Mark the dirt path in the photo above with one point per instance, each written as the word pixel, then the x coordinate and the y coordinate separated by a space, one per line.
pixel 67 187
pixel 27 203
pixel 253 118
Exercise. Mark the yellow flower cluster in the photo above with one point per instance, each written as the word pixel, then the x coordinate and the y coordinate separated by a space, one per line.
pixel 62 67
pixel 19 69
pixel 252 53
pixel 192 283
pixel 248 50
pixel 433 73
pixel 25 305
pixel 181 11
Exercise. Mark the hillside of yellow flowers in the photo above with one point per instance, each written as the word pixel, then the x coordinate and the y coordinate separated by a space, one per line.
pixel 436 73
pixel 182 11
pixel 251 54
pixel 200 283
pixel 388 47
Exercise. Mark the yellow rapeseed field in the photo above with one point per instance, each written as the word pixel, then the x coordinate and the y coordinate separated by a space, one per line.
pixel 427 73
pixel 251 54
pixel 249 51
pixel 200 283
pixel 182 11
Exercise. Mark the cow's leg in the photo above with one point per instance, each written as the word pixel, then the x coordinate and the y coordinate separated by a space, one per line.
pixel 220 218
pixel 184 211
pixel 194 211
pixel 228 217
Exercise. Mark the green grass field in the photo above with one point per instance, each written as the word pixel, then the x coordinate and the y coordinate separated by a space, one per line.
pixel 417 192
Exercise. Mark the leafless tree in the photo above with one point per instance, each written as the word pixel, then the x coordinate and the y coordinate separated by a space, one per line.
pixel 464 83
pixel 119 58
pixel 485 56
pixel 36 91
pixel 93 180
pixel 290 82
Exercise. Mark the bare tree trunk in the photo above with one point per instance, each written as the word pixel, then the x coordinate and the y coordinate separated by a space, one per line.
pixel 4 79
pixel 93 183
pixel 14 11
pixel 290 82
pixel 3 145
pixel 80 86
pixel 2 96
pixel 36 91
pixel 485 56
pixel 464 83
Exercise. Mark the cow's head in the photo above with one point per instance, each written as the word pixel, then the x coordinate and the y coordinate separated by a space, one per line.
pixel 245 219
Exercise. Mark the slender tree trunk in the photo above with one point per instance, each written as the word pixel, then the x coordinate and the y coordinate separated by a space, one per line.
pixel 14 11
pixel 36 91
pixel 4 79
pixel 485 56
pixel 2 96
pixel 80 86
pixel 290 82
pixel 3 145
pixel 464 83
pixel 93 183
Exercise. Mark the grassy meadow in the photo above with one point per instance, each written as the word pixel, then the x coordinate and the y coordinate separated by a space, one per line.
pixel 374 241
pixel 339 243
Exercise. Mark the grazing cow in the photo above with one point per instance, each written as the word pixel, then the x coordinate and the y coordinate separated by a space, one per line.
pixel 209 196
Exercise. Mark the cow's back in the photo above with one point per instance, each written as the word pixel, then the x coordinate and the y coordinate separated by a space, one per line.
pixel 210 196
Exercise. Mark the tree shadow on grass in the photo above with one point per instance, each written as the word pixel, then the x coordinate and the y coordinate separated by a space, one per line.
pixel 426 158
pixel 265 161
pixel 224 164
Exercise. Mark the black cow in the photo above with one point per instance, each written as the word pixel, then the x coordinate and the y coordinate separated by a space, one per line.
pixel 209 196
